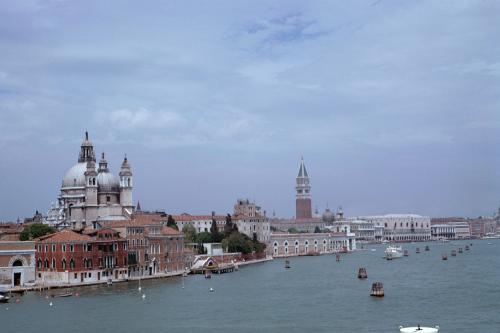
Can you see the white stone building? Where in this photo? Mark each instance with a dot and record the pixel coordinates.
(89, 195)
(402, 227)
(251, 221)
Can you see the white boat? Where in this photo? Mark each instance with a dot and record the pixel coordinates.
(418, 329)
(393, 252)
(4, 297)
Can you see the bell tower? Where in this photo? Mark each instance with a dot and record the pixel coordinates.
(126, 188)
(303, 206)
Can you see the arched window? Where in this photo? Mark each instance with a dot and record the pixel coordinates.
(53, 263)
(128, 182)
(46, 263)
(72, 264)
(17, 263)
(63, 264)
(40, 263)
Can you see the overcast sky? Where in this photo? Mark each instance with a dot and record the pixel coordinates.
(395, 105)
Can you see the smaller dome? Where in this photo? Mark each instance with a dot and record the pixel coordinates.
(107, 182)
(328, 216)
(75, 177)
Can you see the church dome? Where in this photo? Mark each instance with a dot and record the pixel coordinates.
(107, 182)
(75, 177)
(328, 216)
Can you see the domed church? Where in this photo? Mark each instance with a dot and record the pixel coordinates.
(90, 196)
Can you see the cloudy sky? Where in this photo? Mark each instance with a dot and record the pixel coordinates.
(395, 106)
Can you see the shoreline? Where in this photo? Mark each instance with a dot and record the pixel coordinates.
(38, 288)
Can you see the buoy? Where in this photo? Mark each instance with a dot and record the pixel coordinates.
(377, 289)
(139, 288)
(50, 304)
(143, 296)
(211, 289)
(362, 273)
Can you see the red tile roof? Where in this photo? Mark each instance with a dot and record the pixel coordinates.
(169, 231)
(65, 235)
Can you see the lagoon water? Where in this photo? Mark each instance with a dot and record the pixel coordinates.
(317, 294)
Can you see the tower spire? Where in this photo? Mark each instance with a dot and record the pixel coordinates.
(303, 193)
(86, 150)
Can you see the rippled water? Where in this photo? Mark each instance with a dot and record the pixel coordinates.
(317, 294)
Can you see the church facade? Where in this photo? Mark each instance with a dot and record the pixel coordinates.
(91, 194)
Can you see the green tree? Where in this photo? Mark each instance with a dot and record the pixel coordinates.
(317, 230)
(293, 231)
(237, 242)
(204, 237)
(228, 227)
(214, 230)
(171, 222)
(189, 232)
(35, 230)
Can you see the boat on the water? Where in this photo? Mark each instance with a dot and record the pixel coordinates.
(4, 297)
(453, 253)
(418, 329)
(418, 250)
(444, 256)
(393, 252)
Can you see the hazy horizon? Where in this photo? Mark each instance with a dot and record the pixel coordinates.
(394, 106)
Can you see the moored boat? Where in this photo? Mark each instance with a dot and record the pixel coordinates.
(453, 253)
(4, 297)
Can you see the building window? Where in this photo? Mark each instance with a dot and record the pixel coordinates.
(108, 198)
(53, 263)
(72, 265)
(63, 247)
(63, 264)
(71, 248)
(39, 263)
(46, 263)
(46, 248)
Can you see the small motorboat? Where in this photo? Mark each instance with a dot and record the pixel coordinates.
(460, 250)
(418, 250)
(467, 247)
(444, 256)
(453, 253)
(405, 253)
(427, 248)
(418, 329)
(287, 263)
(4, 297)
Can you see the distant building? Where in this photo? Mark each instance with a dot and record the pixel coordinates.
(17, 264)
(251, 221)
(364, 231)
(67, 257)
(287, 244)
(201, 223)
(401, 227)
(153, 248)
(89, 195)
(451, 230)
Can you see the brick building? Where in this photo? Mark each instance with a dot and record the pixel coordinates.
(68, 257)
(153, 247)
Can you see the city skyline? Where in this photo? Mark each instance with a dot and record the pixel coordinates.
(223, 106)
